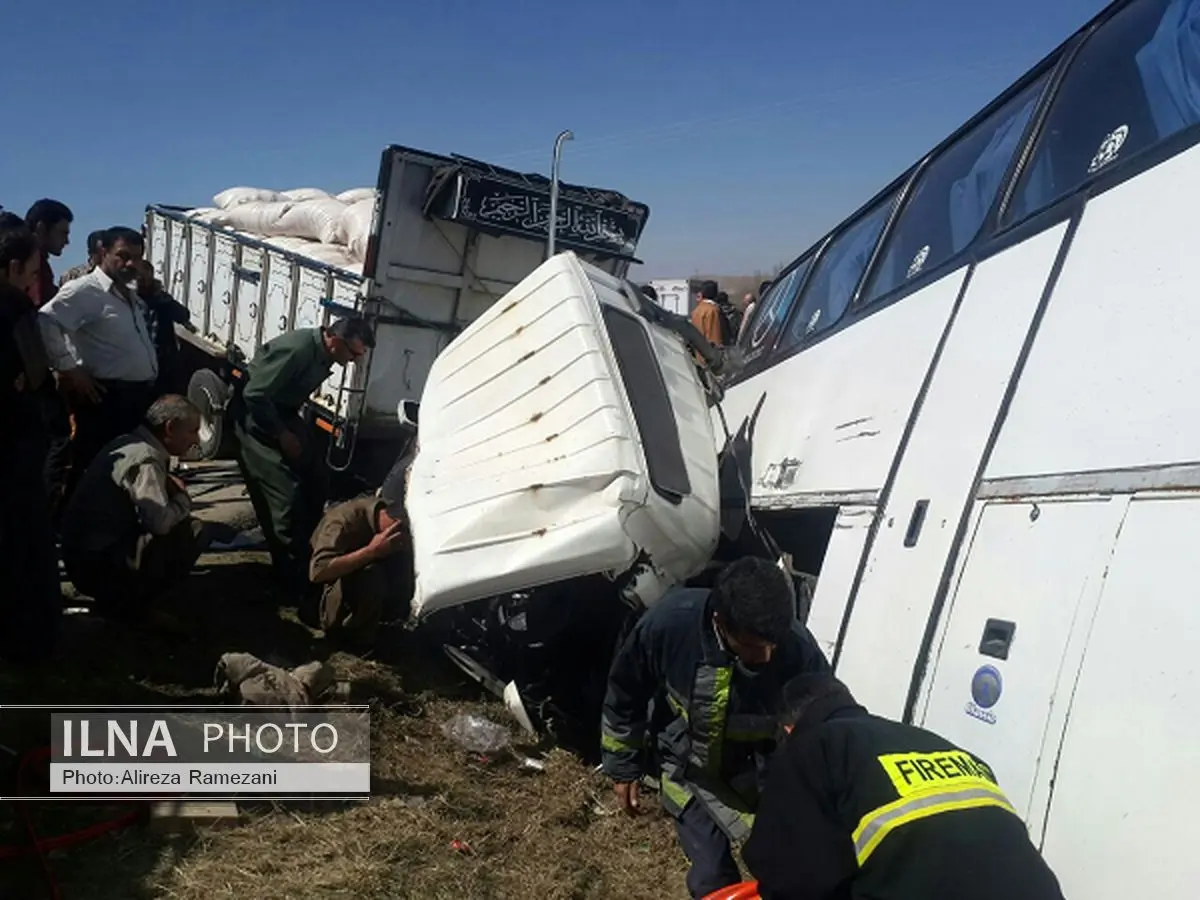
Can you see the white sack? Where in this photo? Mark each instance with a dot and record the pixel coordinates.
(204, 213)
(255, 217)
(300, 194)
(317, 220)
(330, 254)
(355, 227)
(293, 244)
(354, 195)
(236, 196)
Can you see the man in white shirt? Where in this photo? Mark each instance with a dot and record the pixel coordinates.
(128, 533)
(749, 304)
(96, 335)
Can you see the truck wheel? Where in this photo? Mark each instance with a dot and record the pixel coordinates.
(210, 394)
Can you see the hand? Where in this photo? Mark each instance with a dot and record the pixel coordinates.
(387, 542)
(289, 445)
(79, 384)
(627, 796)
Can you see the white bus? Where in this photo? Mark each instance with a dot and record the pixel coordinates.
(967, 408)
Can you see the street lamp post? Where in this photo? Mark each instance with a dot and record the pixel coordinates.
(552, 225)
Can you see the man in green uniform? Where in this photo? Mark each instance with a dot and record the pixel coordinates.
(280, 467)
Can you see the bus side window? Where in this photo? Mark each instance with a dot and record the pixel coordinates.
(773, 308)
(956, 191)
(837, 275)
(1133, 84)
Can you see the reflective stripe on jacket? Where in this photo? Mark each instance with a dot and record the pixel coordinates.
(674, 689)
(861, 806)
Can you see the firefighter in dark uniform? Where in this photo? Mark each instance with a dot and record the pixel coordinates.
(859, 806)
(280, 467)
(700, 681)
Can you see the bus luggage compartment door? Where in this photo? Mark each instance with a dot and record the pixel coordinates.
(1032, 571)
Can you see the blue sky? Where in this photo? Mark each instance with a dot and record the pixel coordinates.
(748, 128)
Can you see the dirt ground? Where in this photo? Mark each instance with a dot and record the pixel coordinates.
(441, 823)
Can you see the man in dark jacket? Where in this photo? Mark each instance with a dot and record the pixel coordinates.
(713, 663)
(279, 465)
(859, 806)
(163, 313)
(30, 600)
(50, 223)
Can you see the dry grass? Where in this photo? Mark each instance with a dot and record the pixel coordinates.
(551, 834)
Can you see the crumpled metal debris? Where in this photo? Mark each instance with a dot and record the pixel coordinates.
(257, 683)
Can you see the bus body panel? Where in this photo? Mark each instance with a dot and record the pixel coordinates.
(833, 415)
(1118, 341)
(840, 565)
(1015, 626)
(937, 471)
(1126, 779)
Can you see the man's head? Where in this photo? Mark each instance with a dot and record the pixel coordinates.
(9, 221)
(50, 221)
(709, 291)
(121, 251)
(747, 300)
(392, 494)
(19, 258)
(175, 421)
(763, 288)
(95, 248)
(348, 339)
(754, 608)
(803, 691)
(147, 282)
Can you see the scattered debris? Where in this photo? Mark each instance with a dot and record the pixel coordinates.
(477, 734)
(258, 683)
(183, 816)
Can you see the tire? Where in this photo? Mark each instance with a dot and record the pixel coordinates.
(211, 395)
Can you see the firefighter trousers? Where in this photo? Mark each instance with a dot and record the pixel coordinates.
(707, 849)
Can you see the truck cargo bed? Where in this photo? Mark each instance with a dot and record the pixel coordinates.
(450, 236)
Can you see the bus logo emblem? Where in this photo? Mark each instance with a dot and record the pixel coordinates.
(1109, 149)
(918, 262)
(986, 686)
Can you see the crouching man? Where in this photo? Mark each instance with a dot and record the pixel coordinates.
(127, 532)
(860, 806)
(712, 664)
(360, 561)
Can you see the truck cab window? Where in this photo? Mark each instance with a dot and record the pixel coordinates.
(1133, 84)
(953, 196)
(838, 273)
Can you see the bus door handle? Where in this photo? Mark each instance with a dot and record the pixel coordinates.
(915, 523)
(997, 638)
